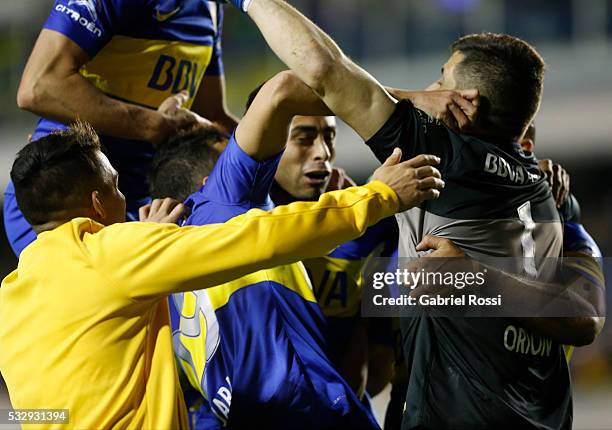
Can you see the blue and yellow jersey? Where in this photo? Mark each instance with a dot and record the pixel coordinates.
(142, 51)
(254, 347)
(337, 277)
(338, 281)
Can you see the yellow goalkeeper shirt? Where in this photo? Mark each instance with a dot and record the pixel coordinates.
(85, 326)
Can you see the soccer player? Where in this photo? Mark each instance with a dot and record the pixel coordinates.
(254, 347)
(578, 246)
(498, 204)
(112, 63)
(305, 171)
(85, 323)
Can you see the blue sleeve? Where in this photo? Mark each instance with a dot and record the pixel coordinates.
(384, 233)
(570, 211)
(236, 184)
(215, 67)
(577, 239)
(391, 238)
(88, 23)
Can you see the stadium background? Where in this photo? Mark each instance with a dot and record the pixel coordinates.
(403, 43)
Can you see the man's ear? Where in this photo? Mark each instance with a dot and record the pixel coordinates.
(98, 206)
(527, 144)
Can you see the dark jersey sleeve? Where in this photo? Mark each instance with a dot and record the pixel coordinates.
(391, 239)
(414, 132)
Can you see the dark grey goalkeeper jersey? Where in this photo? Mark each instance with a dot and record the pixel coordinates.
(479, 373)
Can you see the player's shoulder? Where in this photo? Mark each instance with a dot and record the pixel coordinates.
(233, 167)
(96, 10)
(235, 151)
(408, 117)
(238, 182)
(191, 21)
(401, 119)
(415, 132)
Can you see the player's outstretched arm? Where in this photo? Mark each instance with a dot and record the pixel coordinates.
(580, 303)
(262, 133)
(349, 91)
(573, 302)
(148, 260)
(52, 87)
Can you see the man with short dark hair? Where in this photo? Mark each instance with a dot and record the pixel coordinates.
(255, 348)
(88, 298)
(180, 164)
(509, 74)
(582, 277)
(54, 178)
(496, 203)
(360, 349)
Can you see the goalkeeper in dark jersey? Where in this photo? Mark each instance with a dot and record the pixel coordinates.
(496, 203)
(584, 261)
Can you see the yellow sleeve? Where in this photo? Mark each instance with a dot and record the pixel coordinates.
(150, 260)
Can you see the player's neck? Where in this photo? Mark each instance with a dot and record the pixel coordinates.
(48, 226)
(61, 217)
(280, 196)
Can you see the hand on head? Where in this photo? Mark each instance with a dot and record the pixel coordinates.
(455, 108)
(163, 211)
(176, 118)
(558, 179)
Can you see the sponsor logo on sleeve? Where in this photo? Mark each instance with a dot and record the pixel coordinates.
(89, 5)
(83, 12)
